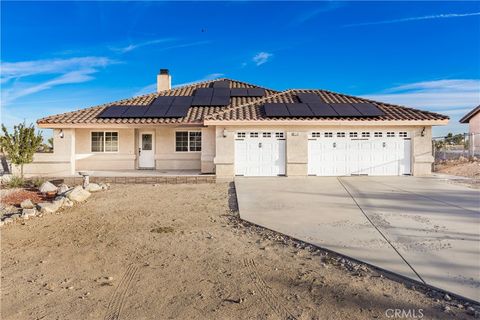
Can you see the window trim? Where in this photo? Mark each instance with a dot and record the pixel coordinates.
(188, 134)
(104, 140)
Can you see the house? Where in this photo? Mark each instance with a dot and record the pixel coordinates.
(228, 127)
(473, 120)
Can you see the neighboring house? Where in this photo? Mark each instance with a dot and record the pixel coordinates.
(229, 128)
(473, 120)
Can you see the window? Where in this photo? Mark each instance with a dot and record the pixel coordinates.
(240, 134)
(402, 134)
(104, 141)
(315, 134)
(340, 134)
(390, 134)
(328, 135)
(353, 134)
(377, 135)
(279, 135)
(188, 141)
(365, 134)
(253, 134)
(267, 134)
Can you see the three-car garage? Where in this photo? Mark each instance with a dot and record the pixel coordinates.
(330, 153)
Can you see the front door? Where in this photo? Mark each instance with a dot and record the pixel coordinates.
(146, 152)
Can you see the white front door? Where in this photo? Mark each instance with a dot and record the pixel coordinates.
(146, 150)
(260, 153)
(376, 153)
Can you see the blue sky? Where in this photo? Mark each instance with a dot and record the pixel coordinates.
(58, 57)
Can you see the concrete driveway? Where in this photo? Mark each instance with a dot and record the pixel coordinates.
(422, 228)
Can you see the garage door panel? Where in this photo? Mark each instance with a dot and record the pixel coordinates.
(379, 155)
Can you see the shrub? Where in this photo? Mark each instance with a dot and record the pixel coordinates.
(15, 182)
(37, 182)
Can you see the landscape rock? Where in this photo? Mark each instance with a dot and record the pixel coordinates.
(47, 187)
(27, 204)
(27, 213)
(49, 207)
(104, 186)
(67, 203)
(447, 297)
(63, 188)
(78, 194)
(93, 187)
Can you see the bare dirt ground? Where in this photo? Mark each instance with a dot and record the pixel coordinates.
(177, 252)
(463, 168)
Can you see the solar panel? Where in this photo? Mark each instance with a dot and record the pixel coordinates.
(322, 110)
(201, 100)
(220, 100)
(135, 112)
(276, 110)
(368, 109)
(221, 84)
(113, 112)
(345, 110)
(165, 100)
(177, 111)
(256, 92)
(204, 92)
(238, 92)
(184, 100)
(309, 98)
(299, 110)
(156, 111)
(221, 92)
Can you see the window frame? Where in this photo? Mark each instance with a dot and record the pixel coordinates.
(104, 141)
(188, 141)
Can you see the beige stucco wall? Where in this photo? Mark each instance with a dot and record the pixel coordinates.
(208, 150)
(86, 160)
(474, 130)
(166, 158)
(297, 146)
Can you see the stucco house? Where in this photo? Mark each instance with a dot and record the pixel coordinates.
(473, 120)
(228, 127)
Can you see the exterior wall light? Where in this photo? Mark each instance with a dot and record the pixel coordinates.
(423, 132)
(61, 134)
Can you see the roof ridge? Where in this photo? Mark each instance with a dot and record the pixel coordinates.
(208, 117)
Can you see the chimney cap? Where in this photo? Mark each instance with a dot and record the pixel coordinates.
(164, 71)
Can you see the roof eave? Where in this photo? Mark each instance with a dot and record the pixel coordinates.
(336, 122)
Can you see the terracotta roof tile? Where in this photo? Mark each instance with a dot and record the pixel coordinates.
(195, 115)
(254, 110)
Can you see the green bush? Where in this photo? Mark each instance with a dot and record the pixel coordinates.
(37, 182)
(15, 182)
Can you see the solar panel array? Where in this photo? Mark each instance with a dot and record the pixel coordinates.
(312, 105)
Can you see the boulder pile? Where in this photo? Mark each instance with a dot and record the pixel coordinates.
(63, 197)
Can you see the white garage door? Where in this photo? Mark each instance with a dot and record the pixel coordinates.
(260, 153)
(359, 153)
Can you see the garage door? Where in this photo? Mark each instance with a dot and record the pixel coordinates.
(260, 153)
(359, 153)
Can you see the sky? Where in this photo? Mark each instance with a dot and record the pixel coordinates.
(63, 56)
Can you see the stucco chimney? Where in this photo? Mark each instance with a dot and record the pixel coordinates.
(164, 81)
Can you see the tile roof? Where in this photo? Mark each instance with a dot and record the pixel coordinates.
(254, 111)
(195, 114)
(466, 118)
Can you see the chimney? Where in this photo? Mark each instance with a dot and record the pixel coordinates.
(164, 81)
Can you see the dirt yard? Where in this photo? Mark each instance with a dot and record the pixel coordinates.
(462, 168)
(177, 252)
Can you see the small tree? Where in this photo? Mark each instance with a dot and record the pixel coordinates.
(21, 144)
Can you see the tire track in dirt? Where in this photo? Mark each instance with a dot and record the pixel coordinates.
(270, 298)
(117, 301)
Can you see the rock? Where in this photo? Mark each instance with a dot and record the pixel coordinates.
(471, 311)
(447, 297)
(27, 213)
(93, 187)
(7, 220)
(15, 216)
(446, 308)
(62, 188)
(27, 204)
(67, 203)
(78, 194)
(104, 186)
(49, 207)
(47, 187)
(59, 201)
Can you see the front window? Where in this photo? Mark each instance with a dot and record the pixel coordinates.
(188, 141)
(104, 141)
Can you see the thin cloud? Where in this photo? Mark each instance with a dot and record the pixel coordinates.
(67, 71)
(445, 96)
(262, 57)
(429, 17)
(311, 14)
(135, 46)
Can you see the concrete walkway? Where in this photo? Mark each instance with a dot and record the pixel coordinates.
(422, 228)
